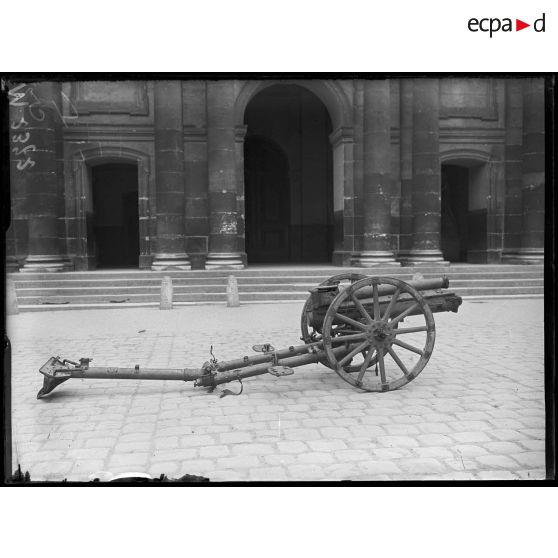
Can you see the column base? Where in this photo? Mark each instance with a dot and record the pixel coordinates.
(525, 257)
(227, 260)
(12, 265)
(424, 257)
(41, 264)
(375, 258)
(164, 262)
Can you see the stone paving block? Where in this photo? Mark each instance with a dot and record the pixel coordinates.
(196, 467)
(271, 474)
(436, 452)
(331, 432)
(506, 434)
(197, 440)
(391, 453)
(279, 459)
(497, 475)
(344, 456)
(434, 440)
(532, 445)
(372, 468)
(367, 430)
(326, 445)
(135, 437)
(316, 457)
(397, 441)
(470, 450)
(470, 437)
(341, 472)
(423, 465)
(532, 474)
(238, 462)
(470, 426)
(138, 445)
(252, 449)
(306, 472)
(177, 454)
(497, 461)
(302, 434)
(128, 460)
(532, 459)
(292, 446)
(434, 428)
(234, 437)
(214, 451)
(460, 463)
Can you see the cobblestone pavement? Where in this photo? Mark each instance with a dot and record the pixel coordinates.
(475, 412)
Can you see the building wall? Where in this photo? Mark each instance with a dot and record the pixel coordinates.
(493, 127)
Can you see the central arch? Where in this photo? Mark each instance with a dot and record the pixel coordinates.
(288, 177)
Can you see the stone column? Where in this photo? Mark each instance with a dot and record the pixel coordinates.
(169, 177)
(377, 175)
(223, 214)
(427, 221)
(36, 151)
(532, 241)
(513, 218)
(406, 154)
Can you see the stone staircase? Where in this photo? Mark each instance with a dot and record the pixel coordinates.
(256, 284)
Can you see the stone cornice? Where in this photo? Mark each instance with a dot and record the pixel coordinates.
(343, 134)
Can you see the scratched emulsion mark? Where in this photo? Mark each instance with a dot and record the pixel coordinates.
(227, 223)
(23, 150)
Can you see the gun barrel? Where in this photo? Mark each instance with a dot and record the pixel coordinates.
(417, 284)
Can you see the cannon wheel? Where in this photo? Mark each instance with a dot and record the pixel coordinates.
(309, 334)
(376, 335)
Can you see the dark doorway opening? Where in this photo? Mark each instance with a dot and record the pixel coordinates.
(455, 209)
(288, 177)
(115, 220)
(267, 195)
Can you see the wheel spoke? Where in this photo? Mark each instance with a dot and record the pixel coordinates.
(404, 313)
(361, 308)
(382, 366)
(350, 321)
(345, 338)
(391, 303)
(408, 347)
(365, 365)
(376, 301)
(409, 329)
(347, 358)
(398, 361)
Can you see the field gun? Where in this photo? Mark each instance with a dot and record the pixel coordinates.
(377, 333)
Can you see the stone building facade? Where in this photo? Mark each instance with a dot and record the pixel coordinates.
(197, 174)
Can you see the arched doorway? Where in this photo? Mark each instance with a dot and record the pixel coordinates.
(288, 177)
(465, 192)
(113, 221)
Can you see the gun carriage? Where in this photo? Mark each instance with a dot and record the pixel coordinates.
(376, 333)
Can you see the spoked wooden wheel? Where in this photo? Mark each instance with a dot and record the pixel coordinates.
(310, 334)
(371, 311)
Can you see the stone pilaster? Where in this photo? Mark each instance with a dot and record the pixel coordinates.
(377, 176)
(35, 152)
(427, 222)
(169, 177)
(513, 151)
(533, 180)
(223, 210)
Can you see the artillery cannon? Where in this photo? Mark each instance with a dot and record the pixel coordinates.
(351, 323)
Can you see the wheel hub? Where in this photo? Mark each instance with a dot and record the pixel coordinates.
(380, 333)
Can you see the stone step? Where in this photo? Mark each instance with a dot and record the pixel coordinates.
(280, 271)
(244, 296)
(54, 282)
(153, 290)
